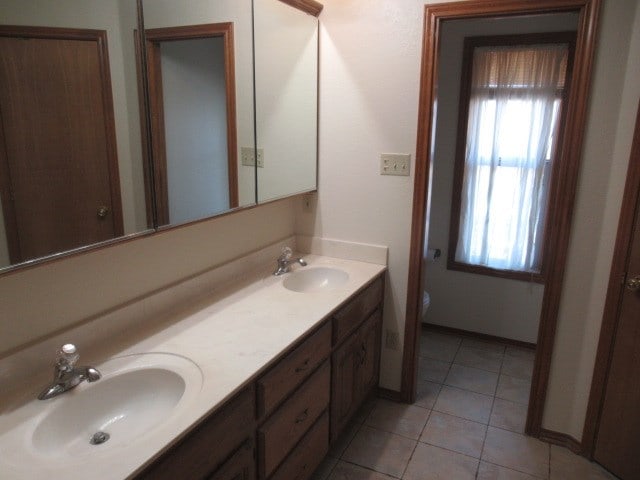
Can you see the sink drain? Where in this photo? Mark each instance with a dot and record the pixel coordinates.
(99, 438)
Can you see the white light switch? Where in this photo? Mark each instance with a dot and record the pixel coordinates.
(395, 164)
(248, 157)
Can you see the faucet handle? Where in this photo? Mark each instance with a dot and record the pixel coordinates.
(67, 355)
(286, 253)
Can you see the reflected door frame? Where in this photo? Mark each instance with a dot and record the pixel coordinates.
(153, 38)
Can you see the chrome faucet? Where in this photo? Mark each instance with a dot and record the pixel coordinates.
(66, 375)
(285, 261)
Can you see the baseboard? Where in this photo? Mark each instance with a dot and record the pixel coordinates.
(479, 336)
(389, 394)
(562, 440)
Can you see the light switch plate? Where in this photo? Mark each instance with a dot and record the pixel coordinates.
(260, 158)
(247, 155)
(395, 164)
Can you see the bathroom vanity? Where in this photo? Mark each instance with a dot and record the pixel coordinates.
(251, 379)
(280, 425)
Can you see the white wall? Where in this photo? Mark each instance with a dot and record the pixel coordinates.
(286, 109)
(118, 18)
(195, 124)
(52, 297)
(612, 115)
(170, 13)
(478, 303)
(370, 59)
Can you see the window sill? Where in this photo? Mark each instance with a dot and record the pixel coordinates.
(530, 277)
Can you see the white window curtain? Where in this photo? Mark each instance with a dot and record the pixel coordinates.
(513, 110)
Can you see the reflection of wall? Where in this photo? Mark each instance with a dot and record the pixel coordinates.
(169, 13)
(118, 18)
(195, 123)
(286, 106)
(478, 303)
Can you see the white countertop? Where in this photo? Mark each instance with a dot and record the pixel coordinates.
(231, 335)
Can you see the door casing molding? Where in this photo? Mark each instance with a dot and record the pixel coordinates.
(563, 188)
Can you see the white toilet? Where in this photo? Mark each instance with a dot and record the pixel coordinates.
(432, 255)
(426, 300)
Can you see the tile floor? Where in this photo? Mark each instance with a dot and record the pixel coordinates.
(467, 423)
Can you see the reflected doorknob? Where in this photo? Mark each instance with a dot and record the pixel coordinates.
(103, 211)
(633, 284)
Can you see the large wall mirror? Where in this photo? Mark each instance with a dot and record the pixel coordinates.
(231, 91)
(286, 47)
(71, 169)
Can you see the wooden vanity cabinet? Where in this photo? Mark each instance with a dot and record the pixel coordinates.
(356, 357)
(293, 401)
(279, 427)
(222, 447)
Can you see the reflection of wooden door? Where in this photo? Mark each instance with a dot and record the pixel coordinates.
(58, 166)
(618, 439)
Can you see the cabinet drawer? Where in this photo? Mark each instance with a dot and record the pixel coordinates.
(241, 466)
(306, 457)
(349, 317)
(288, 424)
(281, 380)
(204, 449)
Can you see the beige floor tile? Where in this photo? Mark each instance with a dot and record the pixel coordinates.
(400, 418)
(432, 370)
(380, 451)
(434, 463)
(345, 438)
(348, 471)
(438, 346)
(427, 394)
(483, 344)
(565, 465)
(488, 471)
(324, 469)
(474, 379)
(464, 404)
(508, 415)
(454, 433)
(514, 389)
(516, 366)
(479, 358)
(515, 451)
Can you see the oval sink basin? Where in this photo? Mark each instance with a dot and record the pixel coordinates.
(135, 395)
(316, 279)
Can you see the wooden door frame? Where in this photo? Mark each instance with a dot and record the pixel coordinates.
(55, 33)
(563, 185)
(152, 38)
(615, 290)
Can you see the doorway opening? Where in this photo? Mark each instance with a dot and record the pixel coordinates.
(191, 75)
(561, 189)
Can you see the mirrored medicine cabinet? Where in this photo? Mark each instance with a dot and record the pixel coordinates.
(115, 124)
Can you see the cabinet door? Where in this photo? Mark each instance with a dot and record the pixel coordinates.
(343, 384)
(368, 368)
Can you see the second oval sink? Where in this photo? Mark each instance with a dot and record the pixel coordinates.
(315, 279)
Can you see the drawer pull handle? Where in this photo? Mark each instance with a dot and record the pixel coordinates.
(303, 367)
(364, 355)
(303, 416)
